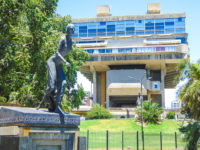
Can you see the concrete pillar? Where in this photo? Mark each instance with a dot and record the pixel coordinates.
(162, 87)
(94, 87)
(103, 88)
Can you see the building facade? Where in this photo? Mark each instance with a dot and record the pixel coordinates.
(126, 51)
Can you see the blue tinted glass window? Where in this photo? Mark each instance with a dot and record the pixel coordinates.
(159, 27)
(159, 32)
(111, 34)
(180, 30)
(82, 27)
(110, 29)
(169, 31)
(130, 25)
(82, 35)
(149, 28)
(108, 50)
(120, 33)
(180, 25)
(130, 22)
(124, 50)
(120, 29)
(92, 34)
(140, 28)
(130, 29)
(139, 22)
(102, 50)
(159, 20)
(149, 32)
(139, 32)
(169, 27)
(101, 30)
(182, 40)
(102, 34)
(82, 24)
(110, 26)
(120, 22)
(91, 51)
(74, 35)
(102, 27)
(82, 31)
(91, 30)
(130, 33)
(169, 23)
(102, 23)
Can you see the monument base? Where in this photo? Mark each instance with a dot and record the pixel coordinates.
(28, 129)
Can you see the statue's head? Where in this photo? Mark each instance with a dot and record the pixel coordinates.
(70, 29)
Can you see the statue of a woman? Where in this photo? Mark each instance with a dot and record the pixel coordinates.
(56, 77)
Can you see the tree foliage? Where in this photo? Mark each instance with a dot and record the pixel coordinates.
(29, 34)
(151, 112)
(190, 98)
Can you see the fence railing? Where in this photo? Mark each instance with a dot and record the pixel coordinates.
(132, 141)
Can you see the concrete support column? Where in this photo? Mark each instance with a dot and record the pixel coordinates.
(162, 87)
(94, 87)
(103, 88)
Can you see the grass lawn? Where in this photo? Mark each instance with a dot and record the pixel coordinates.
(130, 125)
(97, 134)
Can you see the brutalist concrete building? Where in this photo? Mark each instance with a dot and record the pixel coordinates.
(125, 50)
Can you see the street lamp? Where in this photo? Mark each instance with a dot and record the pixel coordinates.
(140, 98)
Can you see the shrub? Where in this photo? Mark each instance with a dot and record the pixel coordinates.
(3, 100)
(170, 115)
(151, 112)
(98, 112)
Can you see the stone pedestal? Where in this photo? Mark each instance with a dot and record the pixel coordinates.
(31, 129)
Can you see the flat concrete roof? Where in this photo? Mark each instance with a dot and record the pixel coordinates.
(131, 17)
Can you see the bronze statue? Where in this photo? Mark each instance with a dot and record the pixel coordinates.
(56, 78)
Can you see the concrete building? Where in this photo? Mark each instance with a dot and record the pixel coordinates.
(127, 49)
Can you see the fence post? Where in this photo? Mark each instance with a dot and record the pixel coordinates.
(143, 140)
(122, 140)
(137, 140)
(176, 140)
(107, 140)
(161, 140)
(87, 139)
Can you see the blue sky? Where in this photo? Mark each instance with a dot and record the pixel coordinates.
(87, 8)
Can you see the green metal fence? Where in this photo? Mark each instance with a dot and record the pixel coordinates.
(132, 141)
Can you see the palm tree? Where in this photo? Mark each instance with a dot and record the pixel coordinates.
(190, 97)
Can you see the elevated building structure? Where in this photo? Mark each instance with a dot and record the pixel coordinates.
(125, 49)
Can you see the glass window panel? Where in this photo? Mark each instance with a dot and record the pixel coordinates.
(149, 32)
(120, 26)
(169, 27)
(149, 28)
(101, 30)
(111, 34)
(92, 24)
(159, 32)
(130, 33)
(139, 21)
(182, 40)
(82, 35)
(91, 30)
(101, 27)
(169, 31)
(130, 29)
(159, 24)
(110, 29)
(180, 31)
(92, 27)
(110, 26)
(124, 50)
(91, 51)
(120, 33)
(82, 27)
(120, 29)
(82, 31)
(159, 27)
(102, 23)
(139, 32)
(120, 22)
(83, 24)
(159, 20)
(140, 28)
(169, 23)
(130, 25)
(101, 34)
(76, 30)
(108, 50)
(101, 50)
(92, 35)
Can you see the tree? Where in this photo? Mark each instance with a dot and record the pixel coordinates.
(151, 112)
(29, 34)
(190, 98)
